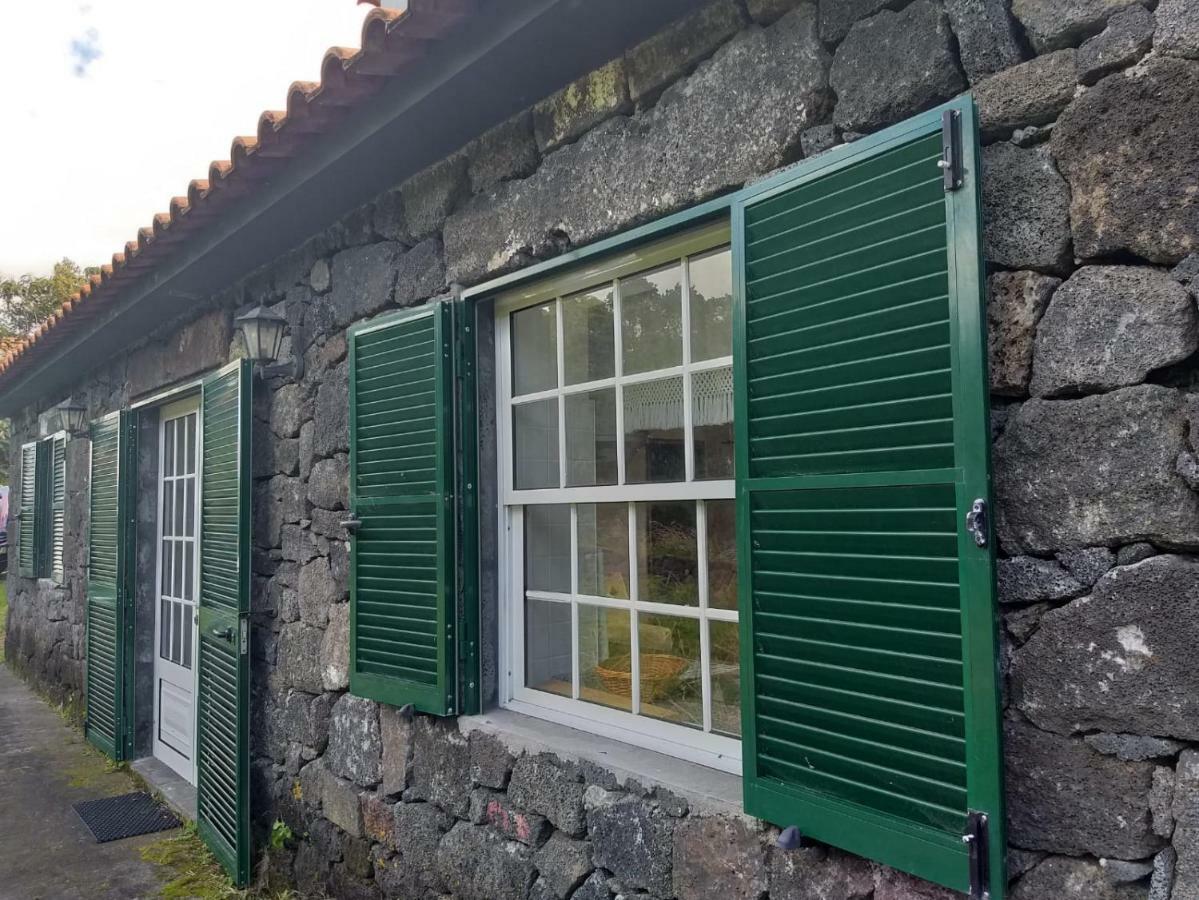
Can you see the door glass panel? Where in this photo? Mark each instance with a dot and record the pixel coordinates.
(591, 438)
(168, 509)
(164, 629)
(188, 626)
(712, 423)
(671, 674)
(604, 550)
(180, 448)
(178, 589)
(165, 565)
(667, 553)
(189, 518)
(191, 444)
(654, 435)
(605, 661)
(589, 351)
(711, 305)
(725, 642)
(651, 320)
(189, 570)
(535, 445)
(547, 548)
(535, 349)
(548, 646)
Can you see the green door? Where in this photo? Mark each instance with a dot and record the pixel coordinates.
(108, 618)
(871, 715)
(222, 751)
(402, 618)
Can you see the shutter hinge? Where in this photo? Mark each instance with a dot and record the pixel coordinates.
(977, 844)
(951, 149)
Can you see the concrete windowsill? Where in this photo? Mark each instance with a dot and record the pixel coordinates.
(707, 790)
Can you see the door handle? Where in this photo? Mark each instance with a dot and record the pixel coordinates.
(352, 524)
(977, 523)
(223, 633)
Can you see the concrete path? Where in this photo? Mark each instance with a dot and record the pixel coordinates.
(46, 853)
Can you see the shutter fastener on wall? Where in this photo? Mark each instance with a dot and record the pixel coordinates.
(950, 162)
(976, 839)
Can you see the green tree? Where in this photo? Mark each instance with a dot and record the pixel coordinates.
(28, 300)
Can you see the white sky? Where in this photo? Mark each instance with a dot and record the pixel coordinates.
(86, 159)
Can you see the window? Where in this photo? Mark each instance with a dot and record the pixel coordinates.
(616, 401)
(42, 511)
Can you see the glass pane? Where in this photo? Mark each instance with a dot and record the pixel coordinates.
(189, 570)
(653, 431)
(180, 447)
(191, 444)
(165, 565)
(535, 445)
(189, 517)
(164, 629)
(605, 657)
(535, 349)
(711, 305)
(722, 553)
(180, 505)
(168, 508)
(725, 643)
(671, 674)
(187, 636)
(548, 646)
(547, 548)
(604, 550)
(177, 633)
(589, 352)
(667, 553)
(168, 448)
(651, 319)
(712, 421)
(178, 591)
(591, 438)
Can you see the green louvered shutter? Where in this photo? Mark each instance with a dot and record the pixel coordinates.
(870, 696)
(27, 515)
(58, 501)
(402, 620)
(107, 598)
(222, 757)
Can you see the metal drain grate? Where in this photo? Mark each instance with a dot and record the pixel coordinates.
(128, 815)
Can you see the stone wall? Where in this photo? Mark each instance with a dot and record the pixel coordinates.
(1092, 215)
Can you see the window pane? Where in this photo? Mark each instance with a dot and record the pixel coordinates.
(711, 305)
(722, 553)
(725, 642)
(588, 334)
(604, 550)
(168, 507)
(188, 612)
(165, 564)
(178, 590)
(189, 517)
(164, 629)
(191, 444)
(547, 548)
(548, 646)
(180, 447)
(671, 675)
(667, 553)
(591, 438)
(535, 445)
(651, 319)
(189, 570)
(653, 431)
(535, 349)
(605, 657)
(180, 505)
(712, 421)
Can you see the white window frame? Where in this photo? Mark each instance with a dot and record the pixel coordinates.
(694, 745)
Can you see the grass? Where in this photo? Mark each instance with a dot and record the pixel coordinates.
(194, 873)
(3, 613)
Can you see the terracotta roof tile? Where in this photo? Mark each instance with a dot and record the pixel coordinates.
(391, 39)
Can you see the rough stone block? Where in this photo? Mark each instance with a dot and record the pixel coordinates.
(1109, 326)
(817, 139)
(419, 828)
(420, 273)
(563, 863)
(329, 482)
(1127, 37)
(837, 17)
(317, 592)
(301, 718)
(893, 65)
(335, 649)
(396, 734)
(299, 657)
(1087, 565)
(1178, 28)
(1161, 801)
(1130, 148)
(488, 807)
(634, 840)
(490, 761)
(362, 282)
(1161, 884)
(1027, 579)
(1015, 303)
(1133, 747)
(477, 864)
(986, 39)
(759, 92)
(581, 105)
(1066, 798)
(542, 785)
(719, 857)
(319, 278)
(355, 746)
(1059, 876)
(378, 819)
(1072, 473)
(1032, 93)
(765, 12)
(1131, 554)
(196, 347)
(654, 64)
(1053, 24)
(890, 884)
(332, 414)
(441, 766)
(339, 803)
(430, 196)
(507, 151)
(1121, 660)
(818, 873)
(287, 411)
(1026, 209)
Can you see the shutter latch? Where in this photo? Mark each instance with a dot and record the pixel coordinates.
(951, 149)
(978, 847)
(977, 523)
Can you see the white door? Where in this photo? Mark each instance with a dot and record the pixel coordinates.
(175, 634)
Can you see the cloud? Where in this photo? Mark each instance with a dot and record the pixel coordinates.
(85, 50)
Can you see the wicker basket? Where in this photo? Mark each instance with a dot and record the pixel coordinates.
(658, 674)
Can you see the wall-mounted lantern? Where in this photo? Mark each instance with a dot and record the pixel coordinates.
(72, 418)
(261, 332)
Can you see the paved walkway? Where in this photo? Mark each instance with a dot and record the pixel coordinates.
(46, 853)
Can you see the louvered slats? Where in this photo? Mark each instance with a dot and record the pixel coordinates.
(401, 438)
(58, 498)
(27, 529)
(222, 757)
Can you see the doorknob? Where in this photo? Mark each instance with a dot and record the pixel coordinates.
(224, 633)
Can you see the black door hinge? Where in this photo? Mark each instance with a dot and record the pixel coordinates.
(977, 844)
(951, 149)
